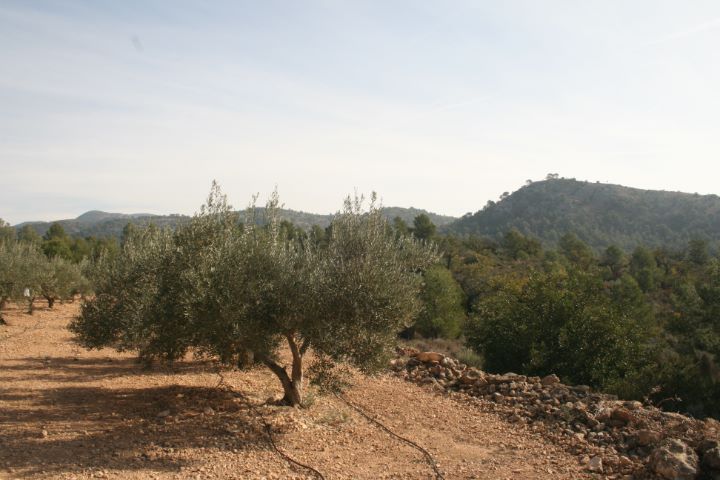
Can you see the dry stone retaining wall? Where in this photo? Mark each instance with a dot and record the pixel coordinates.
(619, 439)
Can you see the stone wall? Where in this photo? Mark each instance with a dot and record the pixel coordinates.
(620, 439)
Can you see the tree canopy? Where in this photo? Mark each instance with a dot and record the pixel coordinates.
(226, 290)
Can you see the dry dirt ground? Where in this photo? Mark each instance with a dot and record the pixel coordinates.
(70, 413)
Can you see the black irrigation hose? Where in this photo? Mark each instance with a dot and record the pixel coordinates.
(428, 456)
(268, 429)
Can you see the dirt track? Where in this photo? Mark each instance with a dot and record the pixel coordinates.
(69, 413)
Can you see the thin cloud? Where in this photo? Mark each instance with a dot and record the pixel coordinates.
(713, 24)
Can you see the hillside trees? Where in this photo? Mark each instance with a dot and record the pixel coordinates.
(401, 228)
(643, 267)
(614, 259)
(695, 331)
(28, 234)
(698, 251)
(56, 243)
(565, 322)
(518, 246)
(652, 314)
(575, 250)
(225, 291)
(600, 214)
(423, 228)
(442, 314)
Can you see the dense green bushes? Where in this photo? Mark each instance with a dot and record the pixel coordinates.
(442, 313)
(643, 325)
(569, 323)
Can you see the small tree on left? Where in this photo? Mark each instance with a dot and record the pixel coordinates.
(10, 257)
(16, 272)
(25, 269)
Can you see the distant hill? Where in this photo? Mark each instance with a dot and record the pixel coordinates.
(105, 224)
(95, 216)
(409, 214)
(600, 214)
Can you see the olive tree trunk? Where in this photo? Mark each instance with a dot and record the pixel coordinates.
(3, 302)
(292, 382)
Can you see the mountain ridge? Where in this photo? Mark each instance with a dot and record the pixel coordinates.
(601, 214)
(102, 224)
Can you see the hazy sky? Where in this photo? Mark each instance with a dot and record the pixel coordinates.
(135, 106)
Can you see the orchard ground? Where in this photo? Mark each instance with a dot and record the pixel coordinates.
(70, 413)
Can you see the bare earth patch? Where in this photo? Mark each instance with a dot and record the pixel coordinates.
(69, 413)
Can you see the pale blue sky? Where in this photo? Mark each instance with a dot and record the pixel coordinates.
(137, 105)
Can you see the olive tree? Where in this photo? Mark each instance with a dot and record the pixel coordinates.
(16, 269)
(131, 302)
(8, 271)
(10, 279)
(225, 289)
(7, 232)
(59, 279)
(24, 266)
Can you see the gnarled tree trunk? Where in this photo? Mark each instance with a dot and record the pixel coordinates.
(292, 382)
(3, 302)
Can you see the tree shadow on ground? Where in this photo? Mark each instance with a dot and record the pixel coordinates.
(76, 429)
(74, 369)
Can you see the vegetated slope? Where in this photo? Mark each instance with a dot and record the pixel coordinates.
(71, 413)
(96, 216)
(600, 214)
(409, 214)
(104, 224)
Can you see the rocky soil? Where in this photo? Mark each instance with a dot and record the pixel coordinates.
(609, 436)
(66, 413)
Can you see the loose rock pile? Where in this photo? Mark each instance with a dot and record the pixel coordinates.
(611, 437)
